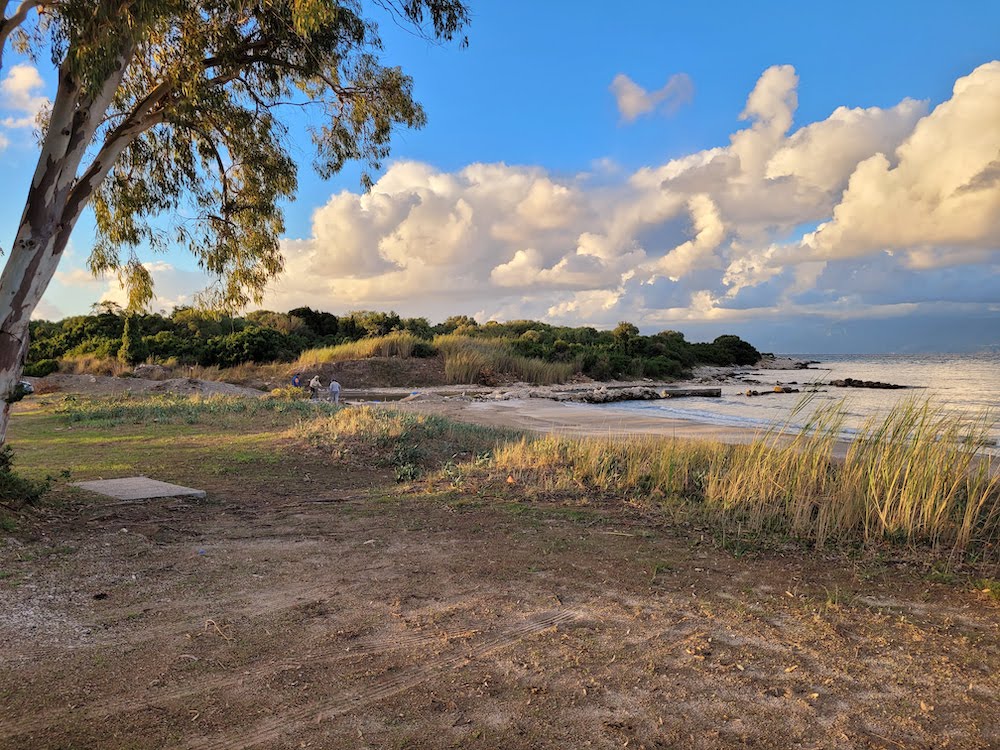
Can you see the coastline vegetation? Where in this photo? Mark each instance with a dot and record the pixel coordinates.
(914, 477)
(111, 342)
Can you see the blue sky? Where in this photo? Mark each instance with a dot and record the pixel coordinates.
(551, 182)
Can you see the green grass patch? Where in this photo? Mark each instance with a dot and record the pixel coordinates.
(177, 409)
(988, 586)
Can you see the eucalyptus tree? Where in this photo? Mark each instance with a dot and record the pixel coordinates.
(177, 110)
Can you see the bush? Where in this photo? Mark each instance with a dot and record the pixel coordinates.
(132, 350)
(252, 344)
(41, 368)
(424, 349)
(16, 490)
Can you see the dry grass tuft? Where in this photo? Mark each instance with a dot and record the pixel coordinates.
(474, 360)
(917, 476)
(399, 344)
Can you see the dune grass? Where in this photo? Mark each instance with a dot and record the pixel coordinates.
(398, 344)
(410, 444)
(475, 360)
(91, 364)
(915, 477)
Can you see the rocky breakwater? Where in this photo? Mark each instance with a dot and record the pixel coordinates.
(777, 389)
(602, 395)
(852, 383)
(770, 362)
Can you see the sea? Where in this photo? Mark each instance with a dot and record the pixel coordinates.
(966, 384)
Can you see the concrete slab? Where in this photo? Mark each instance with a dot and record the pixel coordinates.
(138, 488)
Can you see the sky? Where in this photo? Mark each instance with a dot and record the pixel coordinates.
(814, 178)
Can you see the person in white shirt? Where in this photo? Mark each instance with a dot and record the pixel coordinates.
(314, 386)
(335, 391)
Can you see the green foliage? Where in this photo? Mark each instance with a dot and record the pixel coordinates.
(41, 368)
(196, 133)
(527, 350)
(133, 350)
(252, 344)
(15, 490)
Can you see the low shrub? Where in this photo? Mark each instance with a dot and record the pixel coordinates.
(15, 490)
(41, 368)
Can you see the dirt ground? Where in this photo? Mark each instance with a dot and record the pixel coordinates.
(315, 604)
(105, 385)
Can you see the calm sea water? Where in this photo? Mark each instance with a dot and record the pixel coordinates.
(968, 383)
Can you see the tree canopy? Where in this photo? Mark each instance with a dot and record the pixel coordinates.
(192, 336)
(184, 100)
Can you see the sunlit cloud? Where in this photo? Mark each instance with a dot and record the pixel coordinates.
(760, 227)
(20, 101)
(634, 101)
(874, 212)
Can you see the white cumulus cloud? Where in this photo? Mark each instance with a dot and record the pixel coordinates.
(868, 211)
(750, 229)
(936, 197)
(19, 97)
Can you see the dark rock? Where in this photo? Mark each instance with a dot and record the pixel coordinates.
(852, 383)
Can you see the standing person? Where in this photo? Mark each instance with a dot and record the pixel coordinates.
(314, 386)
(296, 381)
(335, 391)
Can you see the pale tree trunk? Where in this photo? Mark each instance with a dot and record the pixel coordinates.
(55, 201)
(24, 280)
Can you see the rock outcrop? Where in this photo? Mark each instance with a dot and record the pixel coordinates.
(603, 395)
(852, 383)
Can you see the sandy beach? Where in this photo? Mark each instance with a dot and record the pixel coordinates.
(579, 420)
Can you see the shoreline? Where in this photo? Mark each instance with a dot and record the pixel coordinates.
(585, 421)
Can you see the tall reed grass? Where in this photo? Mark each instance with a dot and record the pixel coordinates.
(90, 364)
(915, 475)
(473, 360)
(398, 344)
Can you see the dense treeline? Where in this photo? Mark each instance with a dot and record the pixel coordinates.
(192, 336)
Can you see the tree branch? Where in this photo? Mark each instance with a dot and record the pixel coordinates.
(116, 142)
(7, 25)
(220, 163)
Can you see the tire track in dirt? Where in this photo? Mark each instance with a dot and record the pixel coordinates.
(246, 605)
(367, 646)
(273, 728)
(111, 706)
